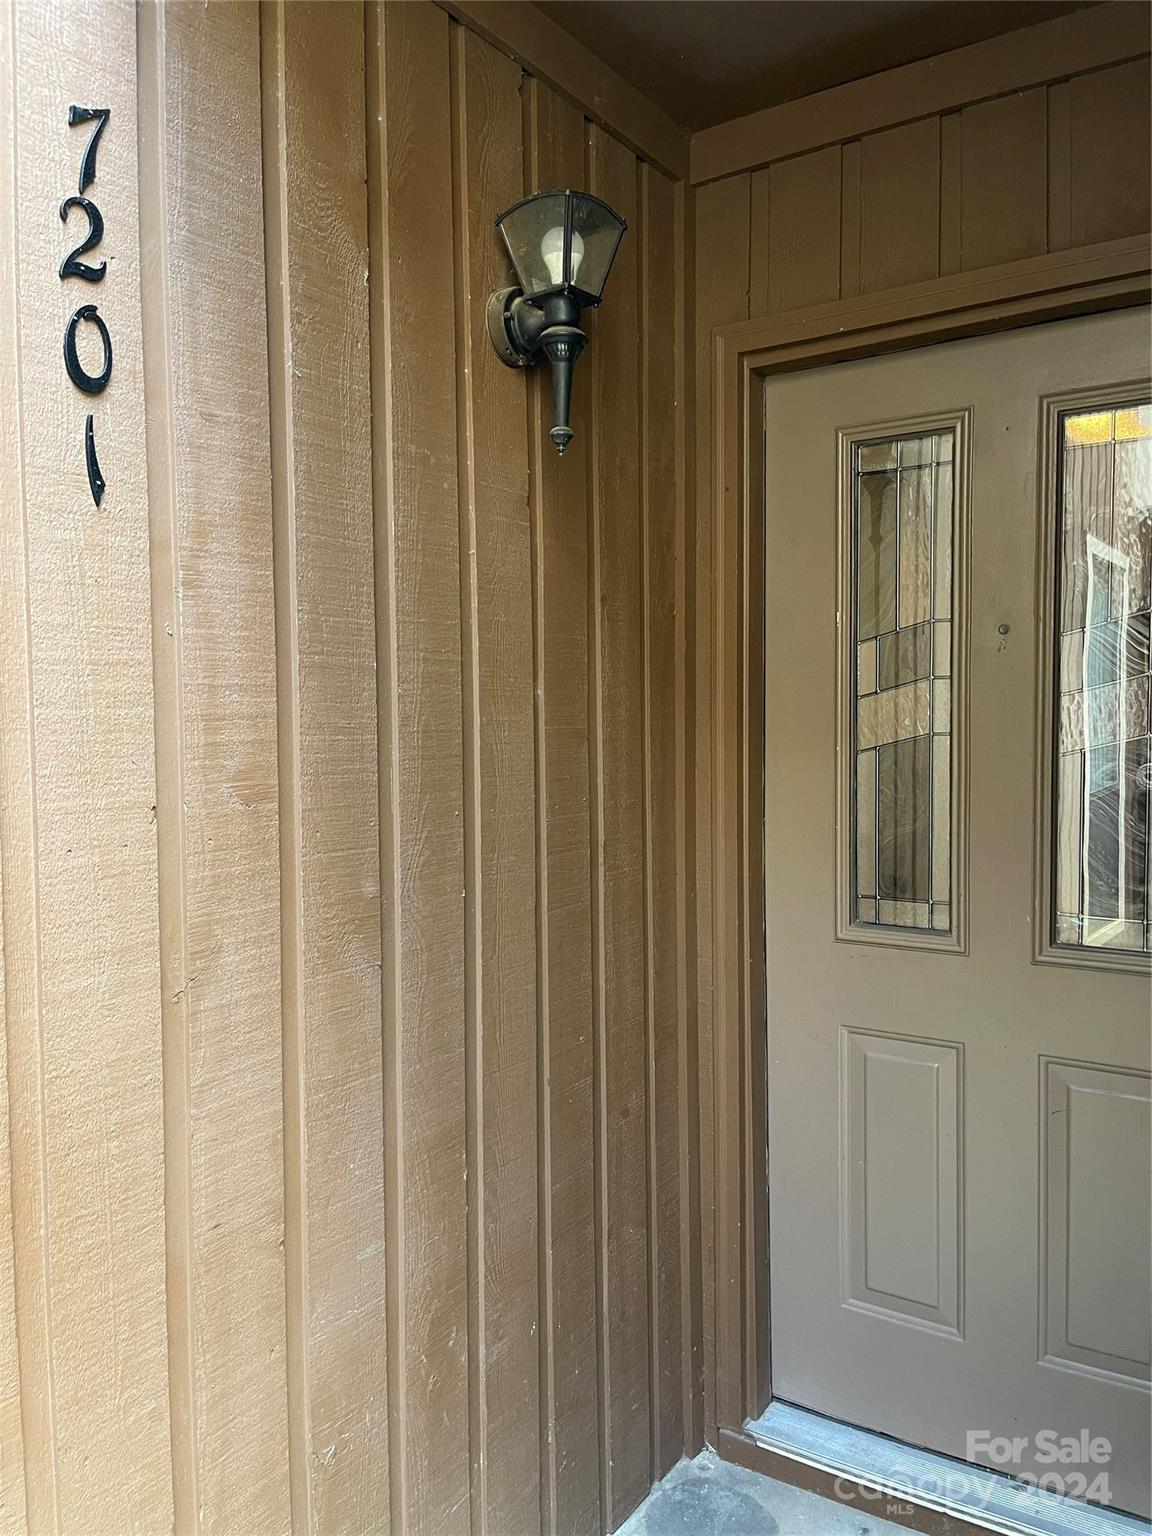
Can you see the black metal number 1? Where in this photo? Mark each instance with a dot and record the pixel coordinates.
(72, 266)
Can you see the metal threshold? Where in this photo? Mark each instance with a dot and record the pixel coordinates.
(957, 1488)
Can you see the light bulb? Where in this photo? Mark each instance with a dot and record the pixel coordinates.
(552, 250)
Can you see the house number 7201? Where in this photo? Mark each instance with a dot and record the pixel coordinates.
(72, 266)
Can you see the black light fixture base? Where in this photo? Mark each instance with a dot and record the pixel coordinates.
(562, 345)
(522, 332)
(499, 333)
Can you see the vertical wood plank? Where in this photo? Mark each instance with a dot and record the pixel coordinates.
(851, 156)
(617, 861)
(77, 841)
(217, 823)
(1059, 167)
(1110, 114)
(729, 883)
(951, 192)
(500, 831)
(315, 209)
(658, 427)
(422, 767)
(692, 1412)
(554, 157)
(1004, 205)
(900, 206)
(757, 1327)
(722, 267)
(760, 250)
(804, 231)
(13, 1509)
(13, 1505)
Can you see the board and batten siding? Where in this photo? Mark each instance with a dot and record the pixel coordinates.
(1051, 168)
(343, 777)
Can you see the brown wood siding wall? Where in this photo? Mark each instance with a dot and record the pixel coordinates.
(1053, 168)
(344, 778)
(1056, 167)
(1046, 169)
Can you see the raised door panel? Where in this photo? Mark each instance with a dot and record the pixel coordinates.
(900, 1189)
(1096, 1131)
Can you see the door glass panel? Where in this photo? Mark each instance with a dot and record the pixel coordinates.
(902, 513)
(1104, 761)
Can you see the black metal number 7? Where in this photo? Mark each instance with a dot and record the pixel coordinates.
(86, 115)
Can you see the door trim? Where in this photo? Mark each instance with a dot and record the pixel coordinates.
(1112, 275)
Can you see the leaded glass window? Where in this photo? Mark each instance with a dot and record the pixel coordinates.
(1103, 751)
(903, 513)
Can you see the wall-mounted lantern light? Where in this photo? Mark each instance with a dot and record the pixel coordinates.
(562, 245)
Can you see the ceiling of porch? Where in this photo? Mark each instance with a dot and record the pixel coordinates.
(706, 61)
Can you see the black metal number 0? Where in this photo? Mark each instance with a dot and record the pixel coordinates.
(91, 384)
(71, 266)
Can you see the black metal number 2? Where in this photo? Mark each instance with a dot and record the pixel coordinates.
(72, 266)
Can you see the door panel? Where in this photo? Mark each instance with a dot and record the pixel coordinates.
(1096, 1130)
(900, 1208)
(958, 1135)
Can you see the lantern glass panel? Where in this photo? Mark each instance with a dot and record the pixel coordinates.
(596, 232)
(534, 234)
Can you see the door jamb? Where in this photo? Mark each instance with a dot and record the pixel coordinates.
(1111, 275)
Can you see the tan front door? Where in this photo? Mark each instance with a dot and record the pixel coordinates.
(958, 1047)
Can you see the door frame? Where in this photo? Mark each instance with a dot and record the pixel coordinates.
(1111, 275)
